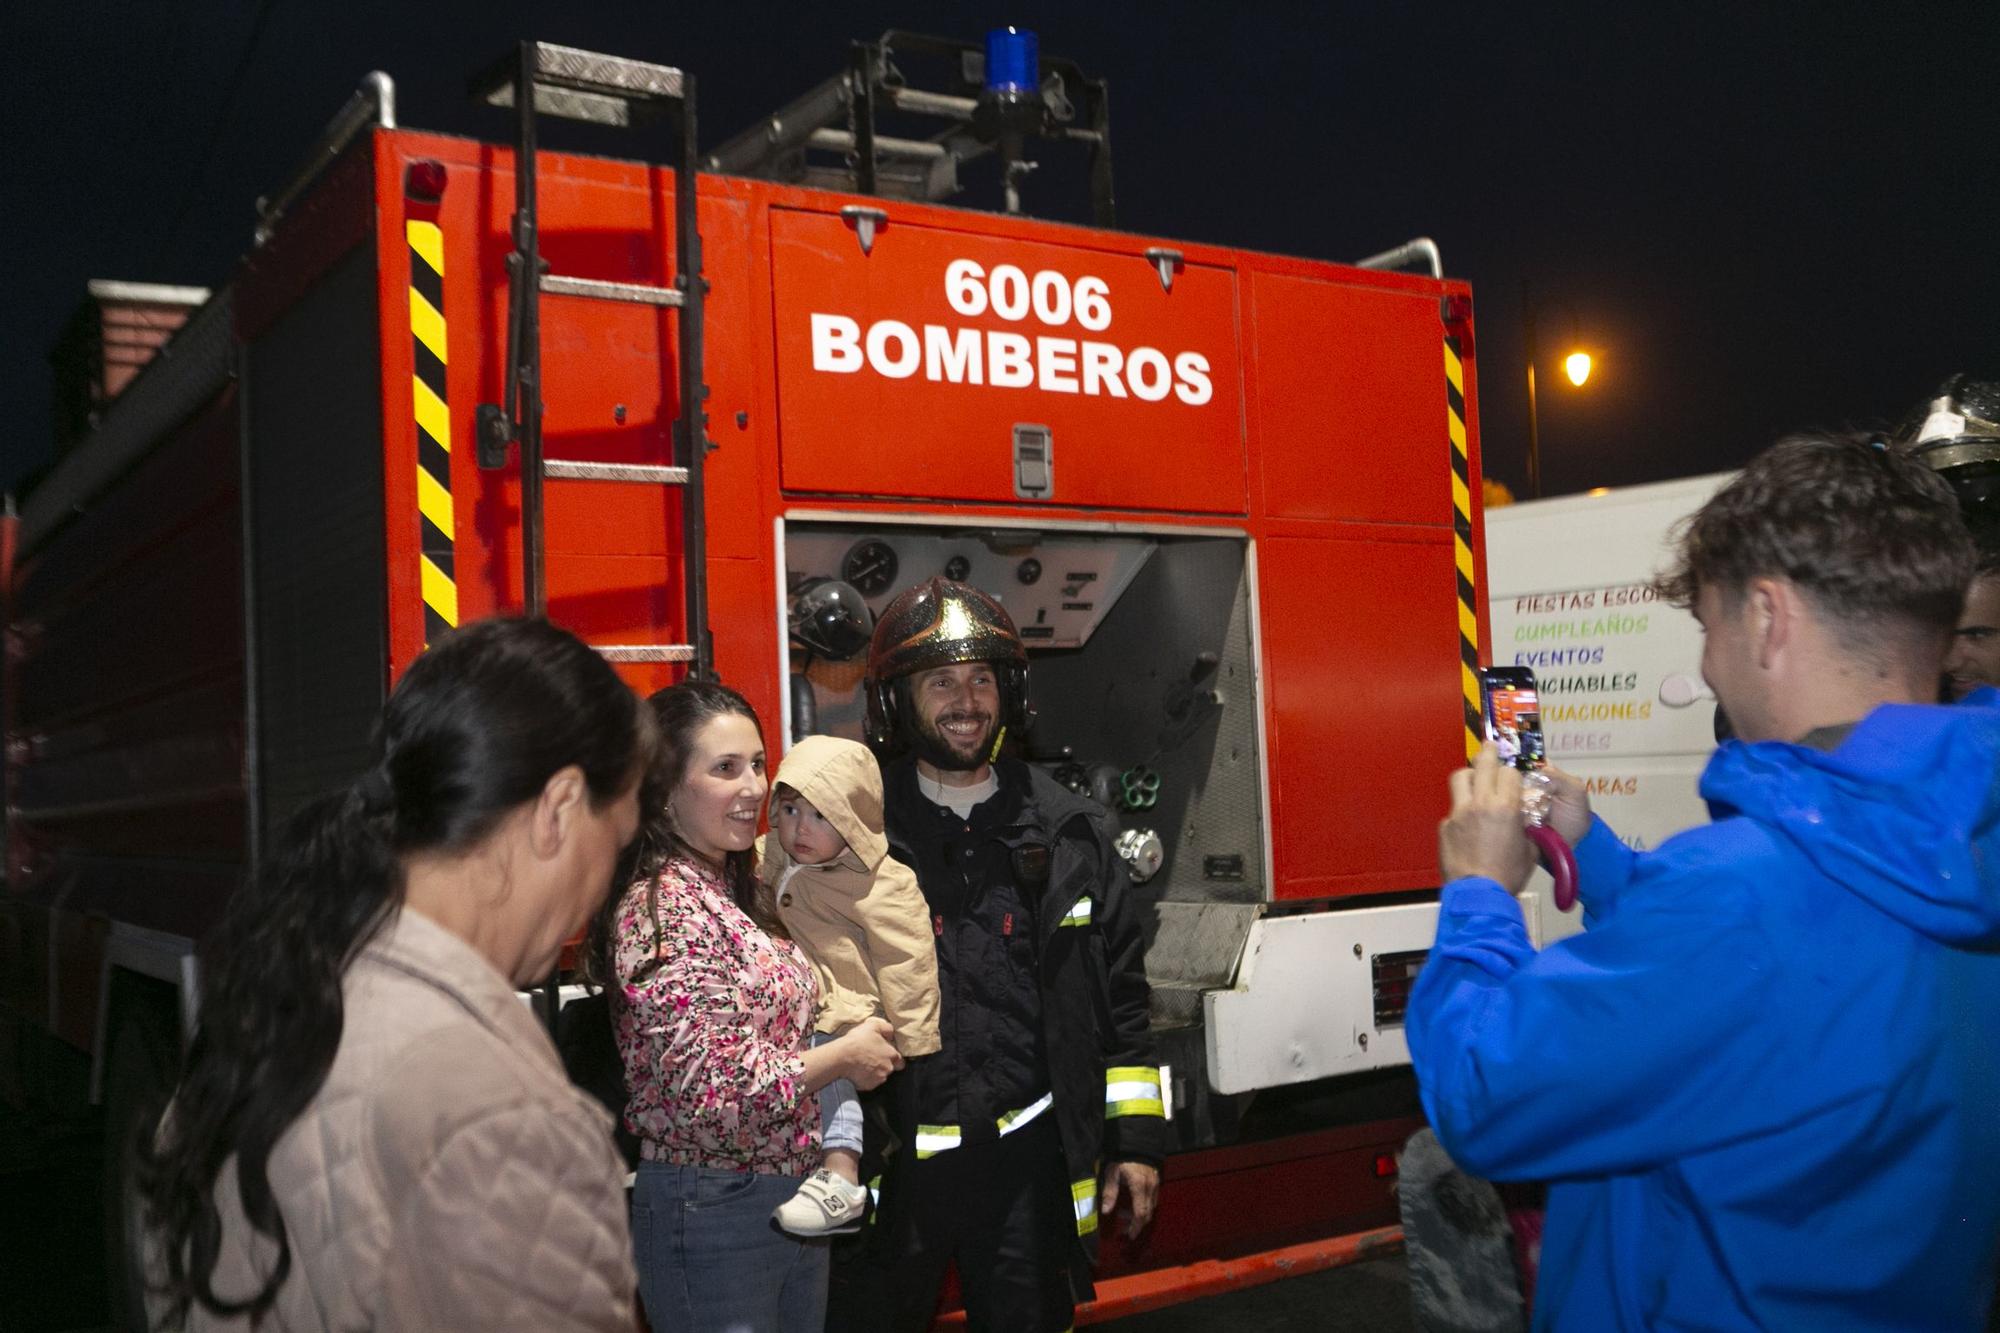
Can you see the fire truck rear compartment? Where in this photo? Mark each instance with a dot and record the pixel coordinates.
(1144, 687)
(1141, 677)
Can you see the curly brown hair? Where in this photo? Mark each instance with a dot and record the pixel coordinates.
(1872, 537)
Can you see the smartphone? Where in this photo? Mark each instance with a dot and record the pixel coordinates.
(1513, 711)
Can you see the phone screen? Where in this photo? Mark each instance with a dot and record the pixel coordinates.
(1513, 709)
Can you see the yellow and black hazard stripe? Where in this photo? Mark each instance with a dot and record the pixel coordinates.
(433, 416)
(1461, 541)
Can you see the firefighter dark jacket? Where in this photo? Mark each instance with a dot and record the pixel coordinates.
(1049, 851)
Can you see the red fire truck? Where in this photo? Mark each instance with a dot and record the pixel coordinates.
(1229, 497)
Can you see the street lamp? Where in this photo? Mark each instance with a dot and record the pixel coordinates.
(1577, 365)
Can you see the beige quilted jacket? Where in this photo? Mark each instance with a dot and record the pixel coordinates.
(447, 1176)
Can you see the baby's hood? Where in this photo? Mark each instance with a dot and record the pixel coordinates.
(843, 782)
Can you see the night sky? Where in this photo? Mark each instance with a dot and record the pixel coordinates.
(1760, 217)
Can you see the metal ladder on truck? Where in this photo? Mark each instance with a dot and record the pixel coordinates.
(545, 79)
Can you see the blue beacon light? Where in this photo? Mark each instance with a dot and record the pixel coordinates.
(1013, 61)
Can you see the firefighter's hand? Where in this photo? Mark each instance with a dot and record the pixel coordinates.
(1569, 806)
(1483, 833)
(1139, 1186)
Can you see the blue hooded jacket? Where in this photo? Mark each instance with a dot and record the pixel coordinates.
(1765, 1082)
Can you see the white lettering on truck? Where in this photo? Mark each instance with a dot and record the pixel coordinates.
(1005, 360)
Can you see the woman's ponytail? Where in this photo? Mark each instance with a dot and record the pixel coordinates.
(272, 1016)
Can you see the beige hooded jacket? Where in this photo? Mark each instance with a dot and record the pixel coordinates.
(861, 919)
(447, 1175)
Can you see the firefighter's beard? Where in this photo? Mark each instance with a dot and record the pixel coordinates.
(955, 754)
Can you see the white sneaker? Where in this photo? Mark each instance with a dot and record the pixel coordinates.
(825, 1205)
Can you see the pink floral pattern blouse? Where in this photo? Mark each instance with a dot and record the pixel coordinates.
(712, 1035)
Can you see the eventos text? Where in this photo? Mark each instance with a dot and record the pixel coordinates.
(1053, 363)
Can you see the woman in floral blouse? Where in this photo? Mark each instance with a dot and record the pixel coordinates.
(712, 1009)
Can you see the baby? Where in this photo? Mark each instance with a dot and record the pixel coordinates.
(860, 917)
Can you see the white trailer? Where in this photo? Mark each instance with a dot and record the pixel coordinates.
(1623, 703)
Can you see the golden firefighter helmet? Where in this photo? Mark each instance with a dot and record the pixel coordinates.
(940, 623)
(1957, 432)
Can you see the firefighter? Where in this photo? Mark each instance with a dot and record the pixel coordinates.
(1974, 660)
(1042, 1112)
(1957, 432)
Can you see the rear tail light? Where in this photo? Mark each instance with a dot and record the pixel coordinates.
(424, 180)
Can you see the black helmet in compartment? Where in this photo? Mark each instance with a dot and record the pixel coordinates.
(830, 620)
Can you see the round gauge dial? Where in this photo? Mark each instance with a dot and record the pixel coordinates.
(957, 568)
(1028, 571)
(870, 566)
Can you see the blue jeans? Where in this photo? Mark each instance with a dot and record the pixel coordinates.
(839, 1110)
(711, 1260)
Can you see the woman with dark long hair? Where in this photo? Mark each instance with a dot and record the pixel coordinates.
(373, 1131)
(713, 1008)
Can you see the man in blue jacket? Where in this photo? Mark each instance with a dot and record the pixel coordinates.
(1765, 1082)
